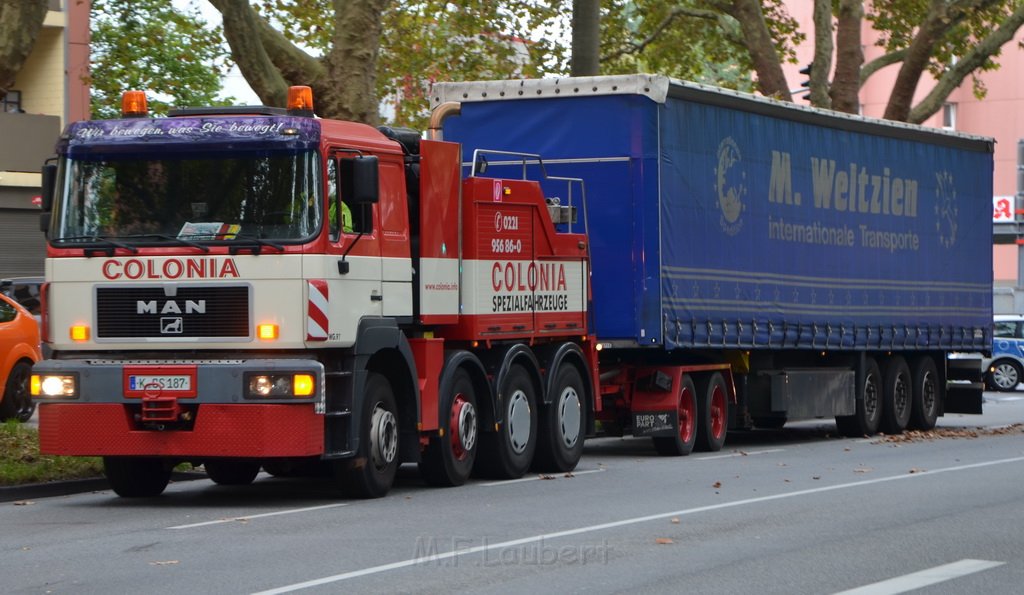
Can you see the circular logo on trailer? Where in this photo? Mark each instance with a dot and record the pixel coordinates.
(730, 183)
(946, 211)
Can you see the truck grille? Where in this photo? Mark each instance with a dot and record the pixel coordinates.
(192, 312)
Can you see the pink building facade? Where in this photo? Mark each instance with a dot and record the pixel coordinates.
(996, 116)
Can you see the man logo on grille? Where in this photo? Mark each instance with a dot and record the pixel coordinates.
(172, 325)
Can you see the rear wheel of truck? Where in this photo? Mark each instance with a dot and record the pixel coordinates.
(686, 435)
(449, 457)
(868, 416)
(371, 472)
(507, 453)
(231, 473)
(132, 477)
(561, 435)
(924, 410)
(712, 412)
(896, 396)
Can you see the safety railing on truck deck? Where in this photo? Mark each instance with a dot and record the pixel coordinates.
(560, 213)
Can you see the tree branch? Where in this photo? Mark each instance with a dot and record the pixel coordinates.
(20, 23)
(967, 64)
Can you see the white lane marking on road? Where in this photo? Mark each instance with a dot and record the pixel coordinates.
(916, 580)
(539, 477)
(624, 522)
(258, 516)
(744, 453)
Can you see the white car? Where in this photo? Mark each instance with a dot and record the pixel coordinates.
(1005, 369)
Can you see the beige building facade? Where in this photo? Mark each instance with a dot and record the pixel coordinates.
(50, 91)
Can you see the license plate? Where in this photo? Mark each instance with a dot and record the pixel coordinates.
(169, 382)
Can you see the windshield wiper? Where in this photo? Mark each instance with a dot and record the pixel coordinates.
(170, 238)
(108, 249)
(256, 245)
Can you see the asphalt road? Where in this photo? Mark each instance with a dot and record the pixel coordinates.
(791, 511)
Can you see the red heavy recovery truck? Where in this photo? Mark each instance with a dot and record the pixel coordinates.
(254, 287)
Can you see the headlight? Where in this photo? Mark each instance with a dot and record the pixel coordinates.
(47, 386)
(280, 386)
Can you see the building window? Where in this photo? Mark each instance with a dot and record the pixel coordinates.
(11, 103)
(949, 116)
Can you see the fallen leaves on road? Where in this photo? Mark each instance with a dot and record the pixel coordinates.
(716, 485)
(675, 520)
(569, 474)
(23, 503)
(663, 541)
(545, 476)
(915, 470)
(863, 470)
(164, 562)
(955, 433)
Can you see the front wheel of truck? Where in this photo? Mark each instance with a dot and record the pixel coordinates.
(371, 472)
(136, 477)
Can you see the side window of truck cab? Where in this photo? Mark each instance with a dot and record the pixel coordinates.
(352, 221)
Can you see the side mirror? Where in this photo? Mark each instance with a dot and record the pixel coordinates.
(49, 175)
(359, 180)
(479, 165)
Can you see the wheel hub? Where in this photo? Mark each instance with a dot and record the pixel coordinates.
(462, 427)
(569, 413)
(383, 437)
(519, 421)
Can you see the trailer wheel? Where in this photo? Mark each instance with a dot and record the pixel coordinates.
(449, 458)
(231, 473)
(897, 399)
(507, 453)
(1004, 375)
(925, 396)
(868, 416)
(712, 412)
(682, 443)
(561, 435)
(372, 472)
(132, 477)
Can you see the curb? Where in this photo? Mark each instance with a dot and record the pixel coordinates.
(69, 487)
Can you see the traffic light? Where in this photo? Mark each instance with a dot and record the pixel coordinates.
(806, 71)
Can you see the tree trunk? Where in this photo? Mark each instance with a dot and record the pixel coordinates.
(771, 81)
(849, 57)
(821, 66)
(352, 62)
(20, 22)
(343, 82)
(586, 37)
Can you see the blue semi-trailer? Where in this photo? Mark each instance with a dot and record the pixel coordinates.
(779, 262)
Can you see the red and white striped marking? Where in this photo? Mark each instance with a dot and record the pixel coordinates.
(317, 322)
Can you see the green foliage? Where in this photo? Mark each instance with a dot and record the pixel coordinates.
(21, 463)
(149, 45)
(655, 36)
(426, 41)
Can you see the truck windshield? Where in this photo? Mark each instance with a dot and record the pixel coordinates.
(170, 199)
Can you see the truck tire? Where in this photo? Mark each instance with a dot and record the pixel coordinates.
(561, 434)
(132, 477)
(712, 412)
(1004, 375)
(232, 473)
(896, 396)
(371, 473)
(449, 458)
(17, 402)
(925, 396)
(682, 443)
(868, 416)
(508, 452)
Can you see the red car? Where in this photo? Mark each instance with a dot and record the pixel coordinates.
(19, 349)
